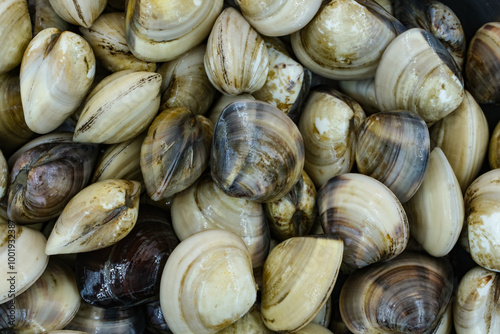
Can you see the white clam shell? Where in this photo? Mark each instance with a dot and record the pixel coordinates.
(79, 12)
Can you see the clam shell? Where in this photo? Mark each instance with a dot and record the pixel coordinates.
(394, 148)
(236, 60)
(494, 148)
(155, 319)
(223, 102)
(50, 303)
(159, 30)
(299, 275)
(313, 328)
(324, 315)
(407, 295)
(207, 283)
(205, 206)
(436, 211)
(417, 74)
(4, 176)
(366, 215)
(251, 322)
(134, 102)
(98, 216)
(79, 12)
(175, 152)
(43, 16)
(363, 92)
(56, 73)
(16, 249)
(257, 152)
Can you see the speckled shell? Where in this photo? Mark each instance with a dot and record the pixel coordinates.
(346, 39)
(79, 12)
(329, 123)
(394, 148)
(366, 215)
(175, 152)
(416, 73)
(406, 295)
(257, 152)
(482, 203)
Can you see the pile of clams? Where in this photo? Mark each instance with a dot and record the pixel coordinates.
(271, 166)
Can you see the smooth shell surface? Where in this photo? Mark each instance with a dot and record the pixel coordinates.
(79, 12)
(251, 322)
(4, 176)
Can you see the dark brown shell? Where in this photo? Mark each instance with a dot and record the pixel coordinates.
(154, 317)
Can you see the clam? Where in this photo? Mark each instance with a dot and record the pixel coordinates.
(15, 25)
(494, 148)
(363, 92)
(298, 267)
(79, 12)
(436, 211)
(324, 315)
(416, 73)
(476, 308)
(207, 283)
(175, 151)
(394, 148)
(106, 36)
(223, 102)
(128, 273)
(346, 39)
(313, 328)
(46, 177)
(329, 123)
(134, 102)
(278, 17)
(155, 321)
(50, 303)
(19, 268)
(185, 82)
(406, 295)
(366, 215)
(205, 206)
(236, 60)
(4, 176)
(163, 30)
(56, 73)
(251, 322)
(387, 5)
(257, 152)
(43, 16)
(293, 215)
(482, 66)
(96, 217)
(482, 203)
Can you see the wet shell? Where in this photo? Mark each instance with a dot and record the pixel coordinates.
(366, 215)
(251, 322)
(128, 273)
(494, 148)
(417, 74)
(223, 102)
(476, 308)
(257, 152)
(205, 206)
(20, 243)
(107, 38)
(207, 283)
(463, 137)
(436, 211)
(175, 152)
(278, 17)
(329, 123)
(159, 30)
(295, 268)
(394, 148)
(407, 295)
(4, 176)
(236, 60)
(155, 319)
(50, 303)
(79, 12)
(56, 73)
(98, 216)
(346, 39)
(43, 16)
(363, 92)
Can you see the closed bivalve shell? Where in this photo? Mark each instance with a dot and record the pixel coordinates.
(79, 12)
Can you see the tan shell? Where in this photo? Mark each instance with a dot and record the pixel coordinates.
(251, 322)
(313, 328)
(494, 148)
(43, 16)
(79, 12)
(363, 92)
(4, 176)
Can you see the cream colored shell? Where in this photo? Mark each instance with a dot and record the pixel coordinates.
(79, 12)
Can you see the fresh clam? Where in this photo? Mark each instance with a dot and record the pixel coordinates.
(329, 123)
(394, 148)
(278, 17)
(257, 152)
(56, 73)
(207, 283)
(205, 206)
(79, 12)
(23, 259)
(313, 328)
(236, 60)
(298, 267)
(366, 215)
(161, 30)
(4, 176)
(223, 102)
(50, 303)
(98, 216)
(251, 322)
(106, 36)
(363, 92)
(494, 148)
(416, 73)
(155, 321)
(15, 27)
(409, 294)
(43, 16)
(119, 108)
(175, 151)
